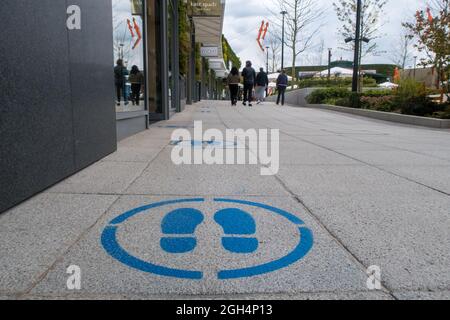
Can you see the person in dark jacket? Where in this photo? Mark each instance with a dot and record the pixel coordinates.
(282, 83)
(262, 82)
(137, 84)
(120, 73)
(249, 75)
(233, 81)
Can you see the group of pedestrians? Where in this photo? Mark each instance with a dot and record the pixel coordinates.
(136, 79)
(255, 85)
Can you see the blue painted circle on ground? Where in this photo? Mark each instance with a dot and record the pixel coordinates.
(113, 248)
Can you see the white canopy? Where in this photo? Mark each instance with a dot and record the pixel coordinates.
(274, 77)
(388, 85)
(336, 72)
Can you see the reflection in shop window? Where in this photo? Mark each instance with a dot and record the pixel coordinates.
(129, 69)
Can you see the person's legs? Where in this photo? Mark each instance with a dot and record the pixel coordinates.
(125, 94)
(283, 93)
(135, 93)
(279, 95)
(250, 94)
(260, 94)
(247, 93)
(118, 92)
(234, 88)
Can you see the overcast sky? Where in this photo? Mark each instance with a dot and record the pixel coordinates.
(243, 19)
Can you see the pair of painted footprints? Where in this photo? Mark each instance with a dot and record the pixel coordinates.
(179, 228)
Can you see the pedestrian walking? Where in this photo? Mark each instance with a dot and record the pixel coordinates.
(120, 73)
(249, 76)
(282, 83)
(262, 83)
(137, 85)
(234, 79)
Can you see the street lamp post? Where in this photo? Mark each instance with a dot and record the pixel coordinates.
(329, 64)
(284, 13)
(415, 66)
(357, 48)
(267, 59)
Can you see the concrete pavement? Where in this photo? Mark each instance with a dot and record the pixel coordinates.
(351, 193)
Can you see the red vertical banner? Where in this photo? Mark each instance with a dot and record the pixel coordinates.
(260, 33)
(130, 27)
(138, 32)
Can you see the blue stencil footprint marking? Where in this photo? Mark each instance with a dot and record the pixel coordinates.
(180, 222)
(237, 222)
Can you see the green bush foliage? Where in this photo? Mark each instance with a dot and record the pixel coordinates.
(321, 95)
(410, 98)
(334, 82)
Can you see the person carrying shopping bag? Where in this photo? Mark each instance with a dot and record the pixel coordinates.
(262, 82)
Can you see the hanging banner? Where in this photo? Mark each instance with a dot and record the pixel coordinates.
(205, 8)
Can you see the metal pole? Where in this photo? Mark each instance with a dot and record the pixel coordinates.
(164, 68)
(415, 66)
(191, 76)
(357, 48)
(329, 64)
(267, 59)
(176, 58)
(282, 41)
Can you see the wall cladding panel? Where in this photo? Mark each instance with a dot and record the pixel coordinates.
(56, 103)
(91, 64)
(36, 130)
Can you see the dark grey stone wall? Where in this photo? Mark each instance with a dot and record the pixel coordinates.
(56, 94)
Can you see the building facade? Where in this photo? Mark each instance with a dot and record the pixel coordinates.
(62, 106)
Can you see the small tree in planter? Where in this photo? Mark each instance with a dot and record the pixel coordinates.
(432, 31)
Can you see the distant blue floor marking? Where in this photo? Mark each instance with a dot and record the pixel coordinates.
(302, 249)
(112, 246)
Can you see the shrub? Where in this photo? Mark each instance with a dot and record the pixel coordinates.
(411, 98)
(382, 103)
(444, 114)
(334, 82)
(378, 93)
(322, 95)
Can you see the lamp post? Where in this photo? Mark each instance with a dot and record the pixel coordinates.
(415, 66)
(267, 59)
(329, 64)
(357, 48)
(284, 13)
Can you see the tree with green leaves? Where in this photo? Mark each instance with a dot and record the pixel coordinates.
(371, 21)
(431, 29)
